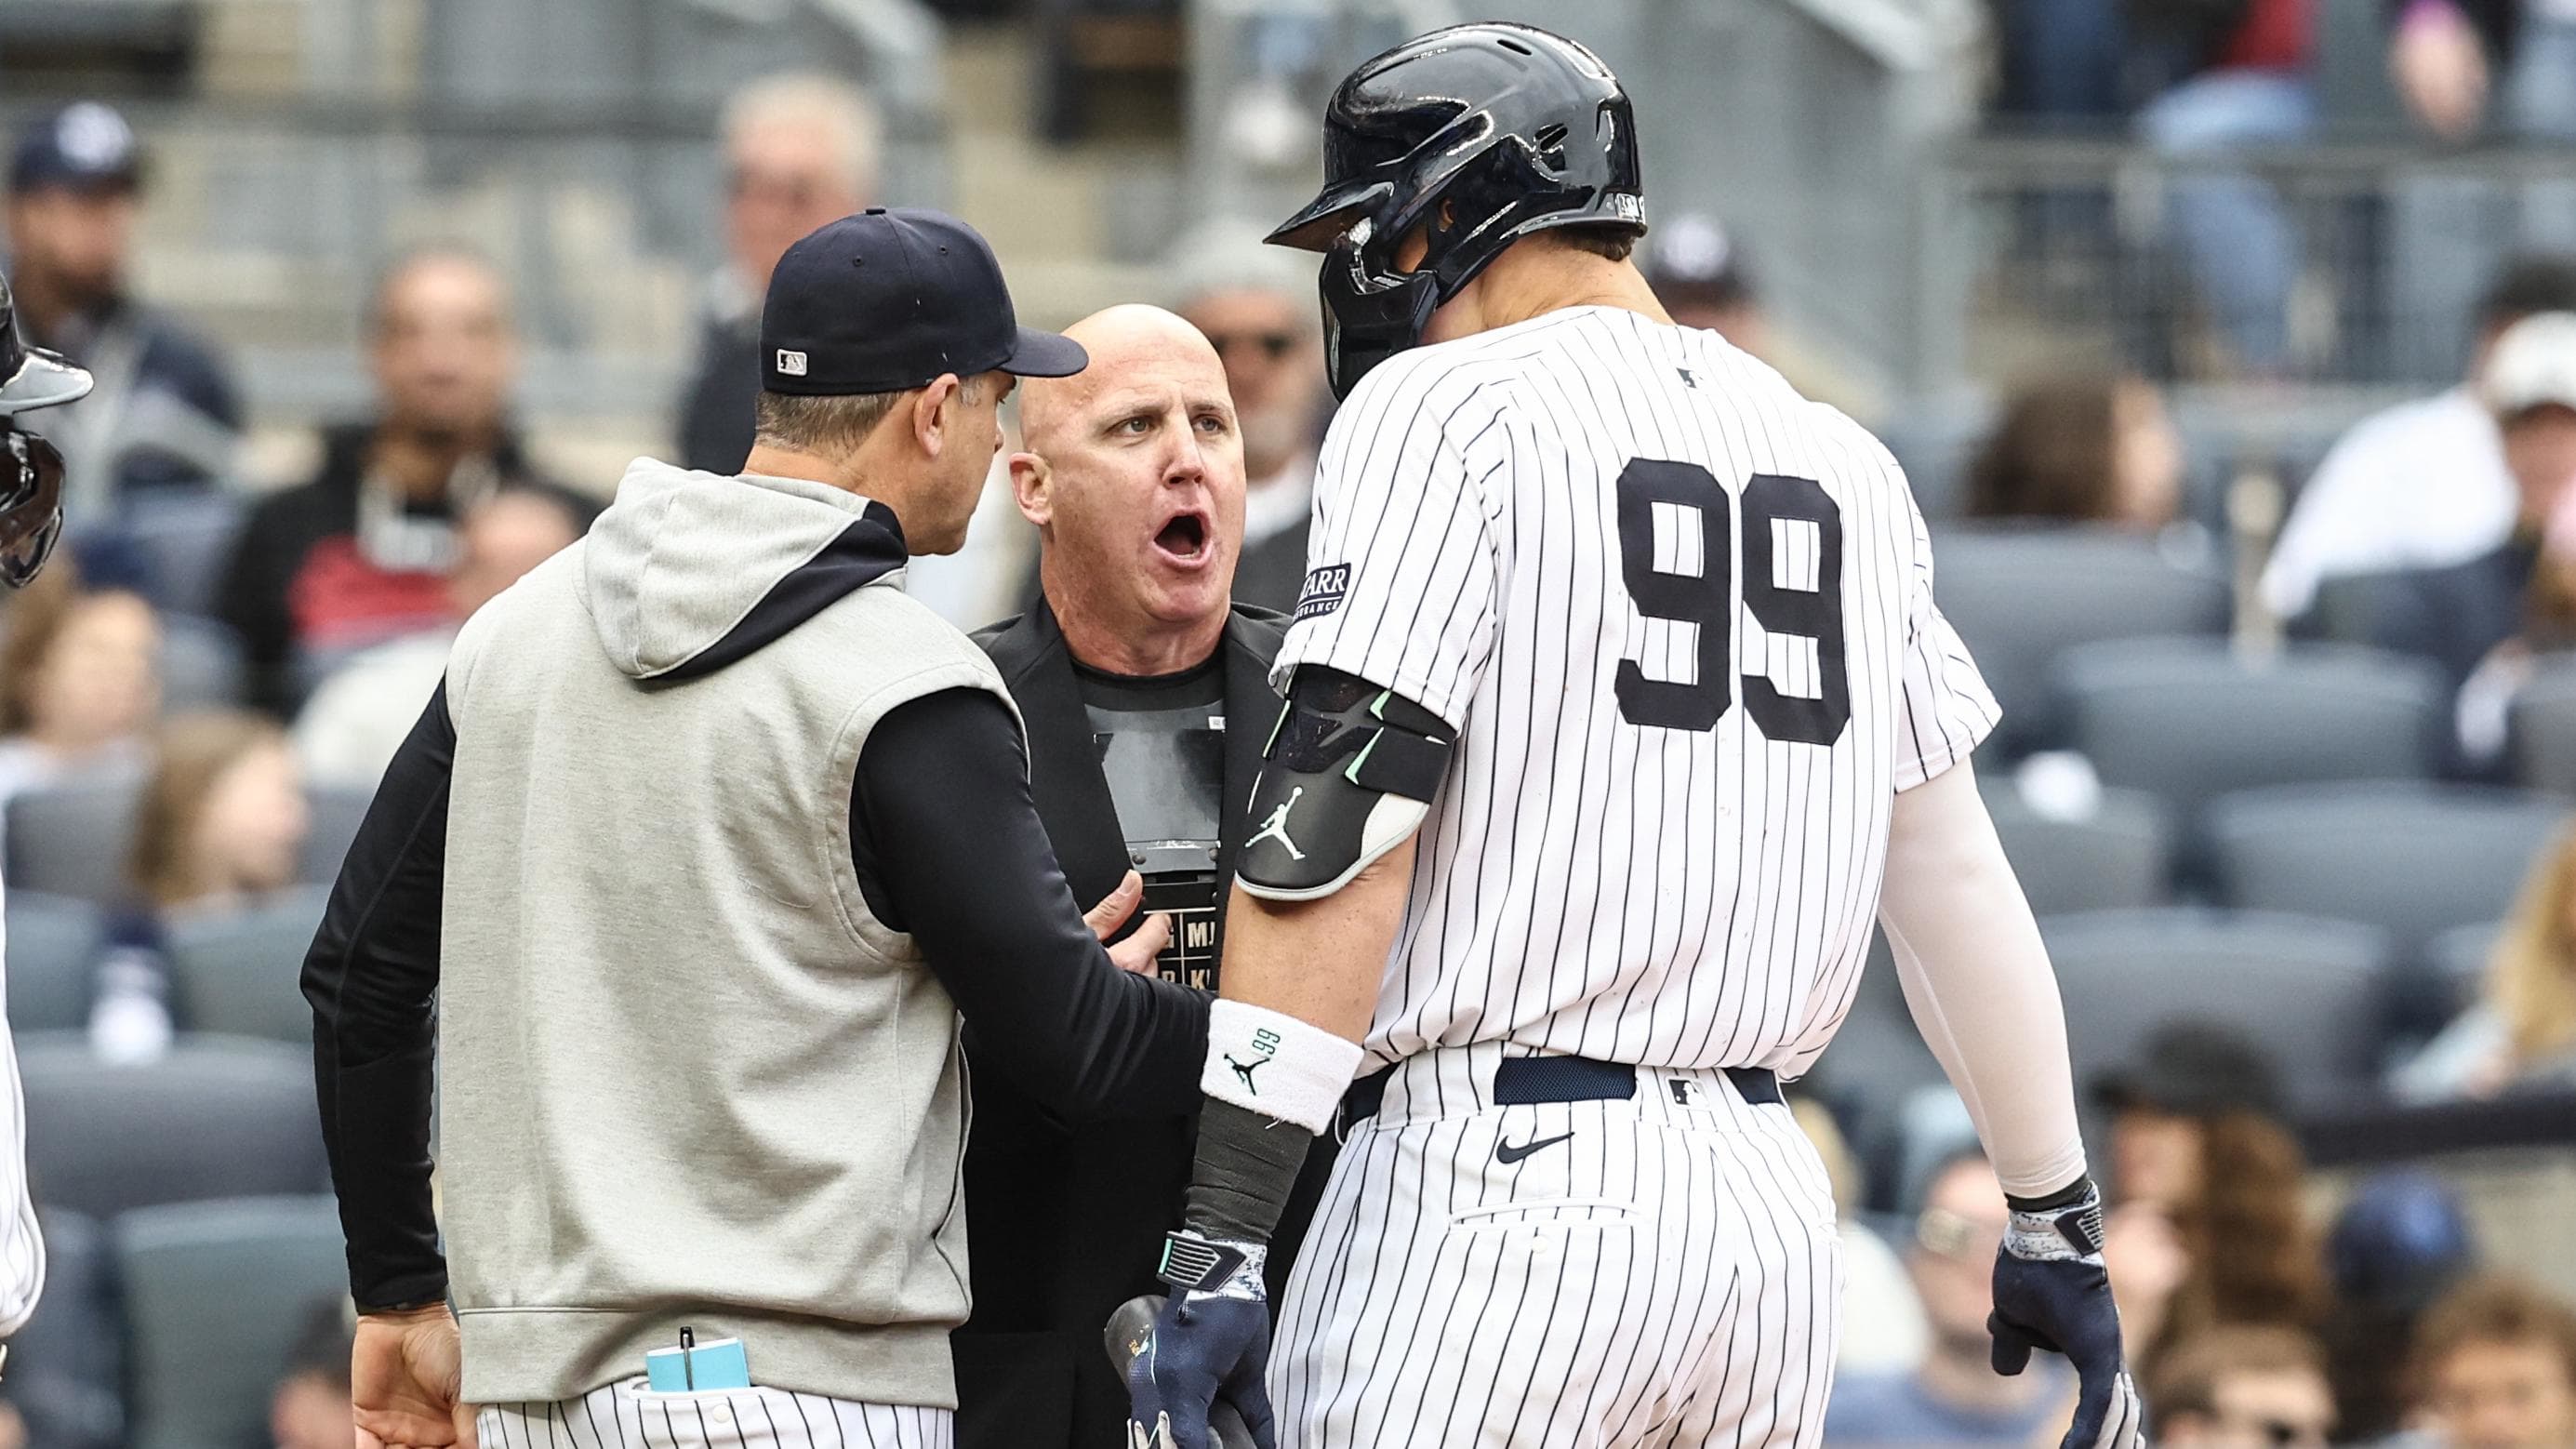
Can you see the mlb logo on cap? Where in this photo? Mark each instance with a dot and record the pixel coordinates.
(791, 364)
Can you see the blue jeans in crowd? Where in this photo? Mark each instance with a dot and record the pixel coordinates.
(2235, 235)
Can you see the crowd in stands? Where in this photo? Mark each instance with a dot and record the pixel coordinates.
(194, 701)
(2208, 86)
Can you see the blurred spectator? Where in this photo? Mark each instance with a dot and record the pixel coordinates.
(1955, 1396)
(800, 150)
(2196, 1136)
(348, 731)
(361, 554)
(2399, 1244)
(1883, 1330)
(2423, 484)
(223, 820)
(1257, 306)
(310, 1409)
(2495, 1368)
(2148, 1266)
(78, 683)
(2444, 54)
(2482, 620)
(2243, 82)
(2243, 1388)
(2081, 450)
(2522, 1031)
(221, 824)
(164, 411)
(1698, 273)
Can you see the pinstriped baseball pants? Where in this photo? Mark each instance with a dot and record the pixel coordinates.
(627, 1416)
(1660, 1271)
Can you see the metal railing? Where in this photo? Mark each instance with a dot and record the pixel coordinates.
(2035, 252)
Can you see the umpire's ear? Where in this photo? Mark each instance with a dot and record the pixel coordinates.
(1033, 484)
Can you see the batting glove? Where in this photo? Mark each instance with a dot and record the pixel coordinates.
(2051, 1292)
(1211, 1343)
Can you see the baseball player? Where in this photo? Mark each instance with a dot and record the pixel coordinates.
(31, 522)
(1617, 703)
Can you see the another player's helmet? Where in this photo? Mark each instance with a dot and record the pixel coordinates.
(31, 471)
(1515, 129)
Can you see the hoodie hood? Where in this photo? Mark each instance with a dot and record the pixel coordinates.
(687, 572)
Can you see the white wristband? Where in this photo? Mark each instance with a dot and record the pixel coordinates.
(1270, 1062)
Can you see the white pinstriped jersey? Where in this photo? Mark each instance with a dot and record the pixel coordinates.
(22, 1248)
(1683, 621)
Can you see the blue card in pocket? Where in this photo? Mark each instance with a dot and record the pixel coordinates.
(698, 1368)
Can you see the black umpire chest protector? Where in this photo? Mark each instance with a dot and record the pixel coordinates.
(1064, 1224)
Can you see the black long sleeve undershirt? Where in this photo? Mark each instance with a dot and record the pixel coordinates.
(948, 847)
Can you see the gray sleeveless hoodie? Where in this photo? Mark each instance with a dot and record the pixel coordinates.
(686, 1077)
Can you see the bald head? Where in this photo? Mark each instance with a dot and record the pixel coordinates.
(1125, 342)
(1133, 472)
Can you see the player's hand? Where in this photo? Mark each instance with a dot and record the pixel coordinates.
(1205, 1348)
(1138, 951)
(406, 1374)
(2051, 1292)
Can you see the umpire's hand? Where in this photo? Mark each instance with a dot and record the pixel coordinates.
(2051, 1292)
(406, 1374)
(1135, 954)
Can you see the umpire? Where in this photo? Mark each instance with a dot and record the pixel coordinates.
(1147, 697)
(704, 844)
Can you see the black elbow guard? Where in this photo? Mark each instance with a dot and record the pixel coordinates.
(1348, 775)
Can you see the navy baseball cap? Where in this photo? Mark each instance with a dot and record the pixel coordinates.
(86, 146)
(888, 300)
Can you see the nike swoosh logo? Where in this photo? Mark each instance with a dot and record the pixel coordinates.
(1515, 1151)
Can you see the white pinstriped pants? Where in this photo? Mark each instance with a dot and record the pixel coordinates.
(628, 1416)
(1667, 1274)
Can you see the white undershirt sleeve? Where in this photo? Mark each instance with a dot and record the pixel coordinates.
(1978, 981)
(22, 1249)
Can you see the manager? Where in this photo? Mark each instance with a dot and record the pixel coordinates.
(705, 843)
(1147, 698)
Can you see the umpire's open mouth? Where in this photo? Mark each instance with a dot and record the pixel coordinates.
(1184, 539)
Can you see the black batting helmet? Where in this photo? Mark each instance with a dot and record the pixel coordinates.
(31, 471)
(1515, 129)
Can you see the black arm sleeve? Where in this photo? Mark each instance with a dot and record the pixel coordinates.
(372, 977)
(948, 845)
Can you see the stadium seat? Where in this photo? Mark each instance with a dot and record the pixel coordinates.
(2117, 858)
(1935, 443)
(201, 664)
(184, 540)
(236, 974)
(66, 1367)
(2309, 991)
(214, 1118)
(337, 814)
(215, 1295)
(71, 840)
(2187, 720)
(2020, 598)
(2413, 859)
(2544, 729)
(2460, 956)
(54, 946)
